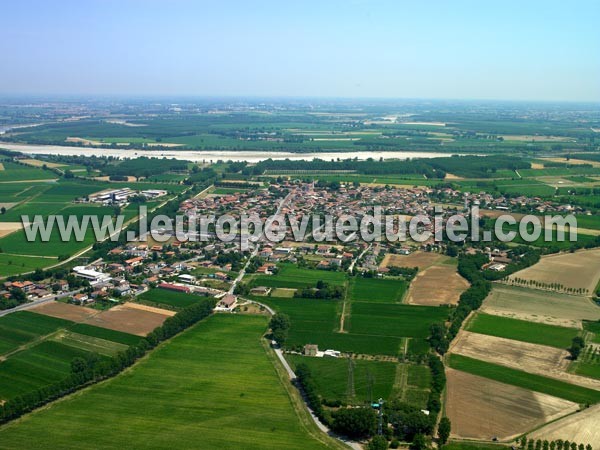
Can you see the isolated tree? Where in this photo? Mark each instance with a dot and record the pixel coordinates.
(280, 324)
(444, 430)
(378, 443)
(3, 210)
(577, 345)
(419, 442)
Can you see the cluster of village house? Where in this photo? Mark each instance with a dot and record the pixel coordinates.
(110, 277)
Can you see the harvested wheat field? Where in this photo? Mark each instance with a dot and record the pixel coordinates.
(537, 359)
(540, 306)
(65, 311)
(480, 408)
(437, 285)
(38, 163)
(131, 318)
(572, 270)
(107, 178)
(7, 228)
(573, 161)
(582, 427)
(510, 353)
(419, 259)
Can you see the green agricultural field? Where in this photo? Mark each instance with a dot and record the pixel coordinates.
(521, 330)
(588, 369)
(225, 191)
(318, 322)
(376, 290)
(170, 298)
(23, 327)
(331, 377)
(17, 192)
(89, 343)
(212, 386)
(17, 243)
(525, 380)
(589, 222)
(13, 264)
(37, 349)
(593, 327)
(291, 276)
(105, 333)
(379, 319)
(21, 173)
(35, 367)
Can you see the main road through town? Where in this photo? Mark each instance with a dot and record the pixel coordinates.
(268, 224)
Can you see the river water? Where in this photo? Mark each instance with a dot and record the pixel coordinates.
(251, 156)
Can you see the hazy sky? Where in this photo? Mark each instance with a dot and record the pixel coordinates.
(530, 50)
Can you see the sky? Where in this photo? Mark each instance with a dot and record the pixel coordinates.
(508, 50)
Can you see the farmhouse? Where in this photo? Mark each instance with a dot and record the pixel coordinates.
(227, 303)
(261, 290)
(311, 350)
(81, 298)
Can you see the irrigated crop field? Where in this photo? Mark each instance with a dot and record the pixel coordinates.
(521, 330)
(169, 298)
(540, 306)
(331, 377)
(202, 388)
(579, 270)
(376, 290)
(394, 320)
(36, 350)
(291, 276)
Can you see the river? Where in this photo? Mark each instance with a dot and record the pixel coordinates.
(250, 156)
